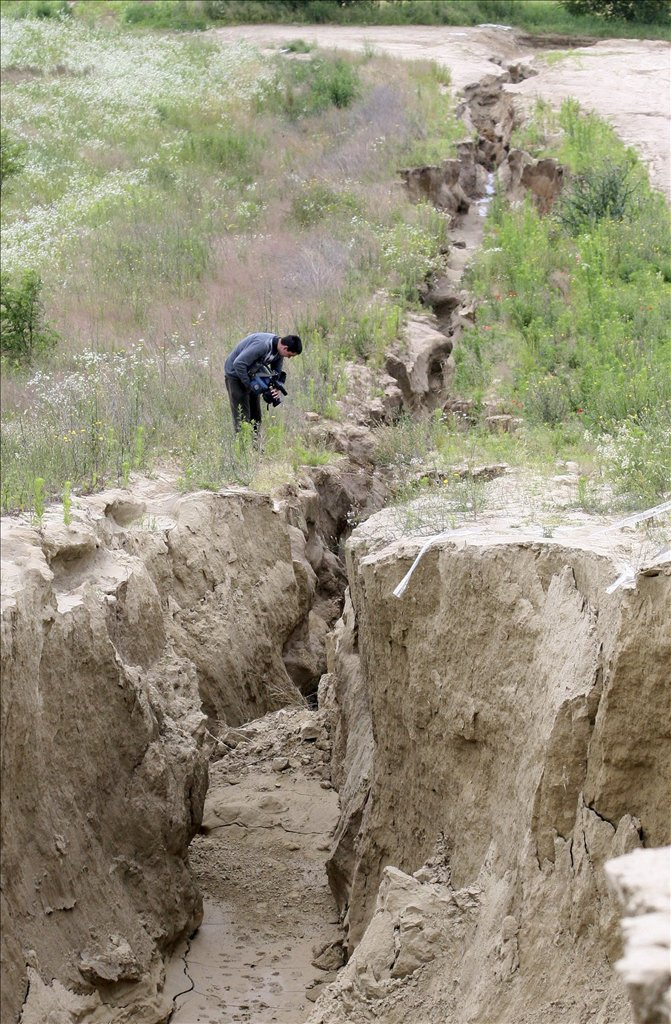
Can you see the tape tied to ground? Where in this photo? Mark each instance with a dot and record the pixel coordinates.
(638, 517)
(445, 535)
(627, 577)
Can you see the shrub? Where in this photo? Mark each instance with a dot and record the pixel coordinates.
(40, 9)
(410, 252)
(298, 46)
(317, 200)
(182, 15)
(11, 156)
(23, 331)
(550, 399)
(313, 86)
(628, 10)
(595, 195)
(404, 445)
(336, 84)
(637, 456)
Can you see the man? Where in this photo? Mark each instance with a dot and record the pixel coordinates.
(247, 358)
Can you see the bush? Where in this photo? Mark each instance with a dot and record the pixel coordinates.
(550, 399)
(312, 86)
(39, 9)
(298, 46)
(627, 10)
(23, 332)
(410, 252)
(182, 15)
(317, 200)
(637, 456)
(605, 192)
(11, 156)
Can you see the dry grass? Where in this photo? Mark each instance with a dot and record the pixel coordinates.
(195, 255)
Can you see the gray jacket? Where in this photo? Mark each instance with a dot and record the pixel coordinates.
(252, 351)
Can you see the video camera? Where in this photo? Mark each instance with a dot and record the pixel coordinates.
(264, 381)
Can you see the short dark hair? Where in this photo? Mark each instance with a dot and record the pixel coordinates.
(293, 343)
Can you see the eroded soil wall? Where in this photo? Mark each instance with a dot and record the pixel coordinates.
(134, 638)
(517, 738)
(117, 631)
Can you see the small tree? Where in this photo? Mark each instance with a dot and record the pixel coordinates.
(23, 331)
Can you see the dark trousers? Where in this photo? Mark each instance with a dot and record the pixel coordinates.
(245, 405)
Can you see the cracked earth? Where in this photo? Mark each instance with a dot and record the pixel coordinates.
(259, 861)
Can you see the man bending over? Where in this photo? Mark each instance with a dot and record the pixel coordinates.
(254, 354)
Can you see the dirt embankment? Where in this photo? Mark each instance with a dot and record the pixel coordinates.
(132, 639)
(105, 745)
(500, 731)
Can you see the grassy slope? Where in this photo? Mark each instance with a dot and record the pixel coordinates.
(176, 195)
(226, 192)
(576, 305)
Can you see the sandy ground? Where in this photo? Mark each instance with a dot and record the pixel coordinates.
(624, 80)
(260, 865)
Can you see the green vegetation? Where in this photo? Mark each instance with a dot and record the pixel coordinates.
(24, 334)
(310, 87)
(571, 337)
(603, 193)
(576, 307)
(165, 14)
(646, 11)
(171, 200)
(646, 18)
(172, 194)
(12, 156)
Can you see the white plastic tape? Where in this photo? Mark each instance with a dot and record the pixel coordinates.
(638, 517)
(400, 589)
(625, 579)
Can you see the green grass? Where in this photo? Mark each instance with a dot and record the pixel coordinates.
(171, 205)
(571, 338)
(577, 311)
(534, 16)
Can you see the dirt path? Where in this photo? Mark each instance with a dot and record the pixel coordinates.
(623, 80)
(268, 819)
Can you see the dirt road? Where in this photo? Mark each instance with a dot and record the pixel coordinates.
(623, 80)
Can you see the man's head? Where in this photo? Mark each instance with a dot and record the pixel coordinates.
(290, 345)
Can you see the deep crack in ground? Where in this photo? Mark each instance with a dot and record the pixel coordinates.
(268, 908)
